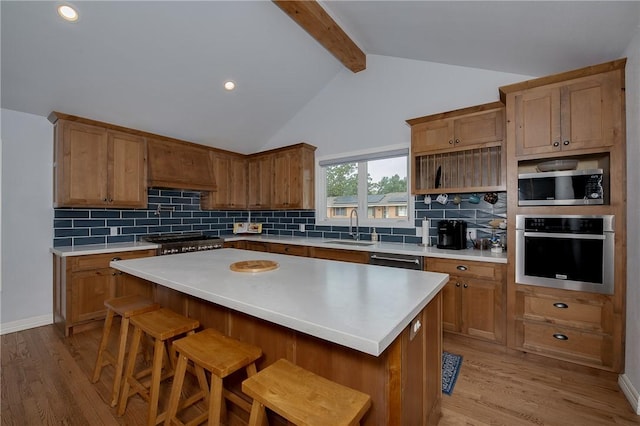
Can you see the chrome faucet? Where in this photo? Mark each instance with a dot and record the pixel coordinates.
(355, 235)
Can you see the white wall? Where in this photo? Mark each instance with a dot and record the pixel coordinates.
(631, 377)
(27, 221)
(369, 109)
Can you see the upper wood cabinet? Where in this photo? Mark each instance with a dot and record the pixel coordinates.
(230, 171)
(97, 167)
(293, 177)
(260, 181)
(579, 114)
(181, 165)
(459, 151)
(460, 129)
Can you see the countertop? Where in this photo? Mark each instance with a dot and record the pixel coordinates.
(363, 307)
(383, 247)
(102, 248)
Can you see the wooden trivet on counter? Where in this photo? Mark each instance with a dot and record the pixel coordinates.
(254, 266)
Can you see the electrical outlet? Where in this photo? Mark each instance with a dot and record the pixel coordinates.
(113, 230)
(302, 227)
(471, 234)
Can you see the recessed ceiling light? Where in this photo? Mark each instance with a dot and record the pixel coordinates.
(68, 13)
(229, 85)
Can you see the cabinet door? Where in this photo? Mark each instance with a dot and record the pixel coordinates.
(127, 170)
(285, 193)
(89, 291)
(482, 313)
(81, 165)
(451, 305)
(237, 183)
(479, 128)
(591, 112)
(230, 175)
(432, 135)
(260, 176)
(537, 121)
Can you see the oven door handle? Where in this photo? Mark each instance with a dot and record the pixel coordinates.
(560, 235)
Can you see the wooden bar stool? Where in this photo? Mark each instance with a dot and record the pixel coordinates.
(221, 356)
(126, 307)
(161, 325)
(303, 397)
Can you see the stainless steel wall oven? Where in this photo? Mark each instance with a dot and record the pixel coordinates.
(571, 252)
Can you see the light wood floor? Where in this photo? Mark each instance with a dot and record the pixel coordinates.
(45, 381)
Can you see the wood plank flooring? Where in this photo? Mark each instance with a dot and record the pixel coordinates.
(45, 381)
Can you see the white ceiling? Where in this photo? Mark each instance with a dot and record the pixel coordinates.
(159, 66)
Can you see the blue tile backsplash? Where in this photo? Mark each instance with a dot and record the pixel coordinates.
(180, 212)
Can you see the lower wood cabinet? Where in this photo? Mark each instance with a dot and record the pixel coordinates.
(473, 301)
(353, 256)
(568, 325)
(81, 284)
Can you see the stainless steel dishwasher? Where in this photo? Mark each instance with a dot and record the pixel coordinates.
(404, 261)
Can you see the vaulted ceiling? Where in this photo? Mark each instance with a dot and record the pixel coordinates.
(160, 66)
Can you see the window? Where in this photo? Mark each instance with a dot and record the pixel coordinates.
(374, 184)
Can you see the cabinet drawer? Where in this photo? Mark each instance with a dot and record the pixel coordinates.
(353, 256)
(582, 346)
(292, 250)
(567, 312)
(463, 268)
(97, 261)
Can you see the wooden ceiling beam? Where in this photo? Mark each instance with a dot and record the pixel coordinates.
(317, 22)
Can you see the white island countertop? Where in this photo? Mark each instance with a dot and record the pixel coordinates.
(363, 307)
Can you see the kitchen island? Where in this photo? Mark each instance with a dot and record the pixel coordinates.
(373, 328)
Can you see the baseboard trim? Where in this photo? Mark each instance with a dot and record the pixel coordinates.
(632, 394)
(25, 324)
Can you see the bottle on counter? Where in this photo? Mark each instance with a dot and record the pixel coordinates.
(374, 235)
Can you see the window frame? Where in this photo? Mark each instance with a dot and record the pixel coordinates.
(363, 217)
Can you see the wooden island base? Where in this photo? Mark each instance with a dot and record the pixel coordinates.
(404, 382)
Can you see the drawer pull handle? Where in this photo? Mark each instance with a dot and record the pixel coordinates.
(560, 305)
(457, 284)
(466, 286)
(461, 268)
(560, 336)
(115, 259)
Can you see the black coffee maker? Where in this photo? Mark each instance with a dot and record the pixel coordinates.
(452, 234)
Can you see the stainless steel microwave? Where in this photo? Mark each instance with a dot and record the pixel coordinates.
(568, 187)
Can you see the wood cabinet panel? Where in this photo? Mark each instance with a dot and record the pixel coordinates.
(459, 151)
(260, 181)
(567, 343)
(127, 170)
(290, 249)
(353, 256)
(404, 382)
(257, 246)
(180, 165)
(98, 167)
(474, 301)
(89, 291)
(293, 177)
(81, 284)
(576, 115)
(230, 173)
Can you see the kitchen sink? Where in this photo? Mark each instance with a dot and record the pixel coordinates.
(351, 242)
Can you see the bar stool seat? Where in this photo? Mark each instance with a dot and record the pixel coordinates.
(160, 325)
(221, 356)
(302, 397)
(126, 307)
